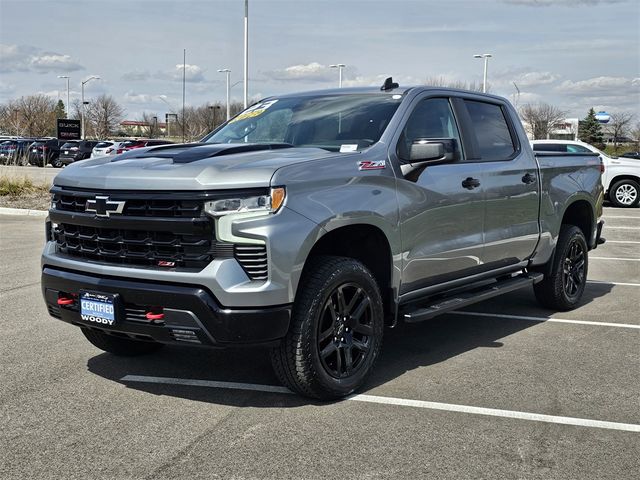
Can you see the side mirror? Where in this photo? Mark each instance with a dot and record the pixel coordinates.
(433, 150)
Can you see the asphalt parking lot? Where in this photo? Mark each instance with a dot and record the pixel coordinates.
(503, 390)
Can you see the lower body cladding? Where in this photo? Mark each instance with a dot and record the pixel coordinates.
(160, 312)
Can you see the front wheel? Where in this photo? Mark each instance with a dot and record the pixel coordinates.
(57, 163)
(562, 289)
(123, 347)
(336, 330)
(625, 193)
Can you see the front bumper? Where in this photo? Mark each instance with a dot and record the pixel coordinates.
(192, 315)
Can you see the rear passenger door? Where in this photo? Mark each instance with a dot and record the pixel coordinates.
(510, 181)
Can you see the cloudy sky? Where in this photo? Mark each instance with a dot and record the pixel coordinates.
(574, 54)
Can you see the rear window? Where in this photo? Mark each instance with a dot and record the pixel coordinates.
(70, 145)
(492, 131)
(103, 144)
(131, 143)
(549, 147)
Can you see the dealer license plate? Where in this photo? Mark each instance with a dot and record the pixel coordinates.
(98, 308)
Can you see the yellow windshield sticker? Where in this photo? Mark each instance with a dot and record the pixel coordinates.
(254, 111)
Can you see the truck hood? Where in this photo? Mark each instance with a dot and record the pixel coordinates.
(187, 167)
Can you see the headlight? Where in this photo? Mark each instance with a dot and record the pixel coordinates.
(261, 203)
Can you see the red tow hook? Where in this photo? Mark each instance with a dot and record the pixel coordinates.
(154, 316)
(65, 301)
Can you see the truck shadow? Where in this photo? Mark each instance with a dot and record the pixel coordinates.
(405, 348)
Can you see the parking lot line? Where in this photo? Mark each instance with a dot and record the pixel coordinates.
(616, 258)
(448, 407)
(623, 241)
(620, 216)
(544, 319)
(608, 227)
(624, 284)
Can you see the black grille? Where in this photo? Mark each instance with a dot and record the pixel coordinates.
(253, 259)
(138, 207)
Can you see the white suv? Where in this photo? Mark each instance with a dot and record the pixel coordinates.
(621, 177)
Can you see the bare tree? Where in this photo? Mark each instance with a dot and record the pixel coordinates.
(34, 115)
(104, 115)
(443, 82)
(619, 126)
(635, 134)
(540, 119)
(150, 127)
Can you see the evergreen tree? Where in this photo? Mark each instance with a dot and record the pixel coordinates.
(590, 130)
(60, 110)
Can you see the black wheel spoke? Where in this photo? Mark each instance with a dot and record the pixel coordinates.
(363, 329)
(328, 350)
(348, 360)
(360, 309)
(326, 334)
(342, 306)
(360, 345)
(353, 301)
(339, 361)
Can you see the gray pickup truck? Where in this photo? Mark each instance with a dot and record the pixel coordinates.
(309, 222)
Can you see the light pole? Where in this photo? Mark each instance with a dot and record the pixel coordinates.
(246, 53)
(339, 66)
(67, 106)
(486, 57)
(228, 73)
(93, 77)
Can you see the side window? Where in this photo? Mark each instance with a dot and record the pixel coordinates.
(491, 129)
(577, 149)
(432, 118)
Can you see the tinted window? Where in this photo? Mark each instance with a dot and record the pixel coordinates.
(577, 149)
(491, 129)
(104, 144)
(549, 147)
(432, 118)
(70, 145)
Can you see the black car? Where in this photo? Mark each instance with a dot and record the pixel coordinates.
(634, 155)
(75, 150)
(42, 152)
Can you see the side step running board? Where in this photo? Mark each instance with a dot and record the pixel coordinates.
(467, 298)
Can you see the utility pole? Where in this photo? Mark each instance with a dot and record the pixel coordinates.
(339, 66)
(82, 113)
(228, 73)
(184, 80)
(246, 53)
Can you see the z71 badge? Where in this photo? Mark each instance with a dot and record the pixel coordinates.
(370, 165)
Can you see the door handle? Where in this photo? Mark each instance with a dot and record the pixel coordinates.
(470, 183)
(528, 179)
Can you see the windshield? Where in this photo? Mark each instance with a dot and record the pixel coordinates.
(334, 122)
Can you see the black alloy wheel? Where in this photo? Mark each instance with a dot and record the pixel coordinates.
(345, 330)
(573, 270)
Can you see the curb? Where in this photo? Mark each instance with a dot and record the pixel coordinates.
(23, 211)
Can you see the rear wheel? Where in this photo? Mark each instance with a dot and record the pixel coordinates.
(625, 193)
(123, 347)
(336, 330)
(57, 163)
(562, 289)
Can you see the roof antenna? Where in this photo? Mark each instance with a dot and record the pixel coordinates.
(389, 84)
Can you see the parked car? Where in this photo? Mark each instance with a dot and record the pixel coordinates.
(133, 144)
(15, 152)
(45, 151)
(75, 150)
(311, 221)
(635, 155)
(105, 148)
(621, 177)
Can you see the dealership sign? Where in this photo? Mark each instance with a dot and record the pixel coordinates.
(68, 129)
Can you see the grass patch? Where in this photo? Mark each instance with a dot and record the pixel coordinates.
(16, 187)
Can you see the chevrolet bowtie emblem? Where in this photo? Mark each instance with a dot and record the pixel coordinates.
(103, 207)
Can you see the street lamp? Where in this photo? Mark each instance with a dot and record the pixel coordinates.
(67, 106)
(93, 77)
(486, 57)
(339, 66)
(228, 72)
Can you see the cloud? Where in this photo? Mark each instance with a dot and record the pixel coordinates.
(561, 3)
(136, 76)
(6, 88)
(133, 97)
(24, 58)
(601, 87)
(310, 72)
(192, 73)
(532, 79)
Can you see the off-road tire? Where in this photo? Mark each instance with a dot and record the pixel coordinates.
(556, 290)
(122, 347)
(628, 192)
(298, 361)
